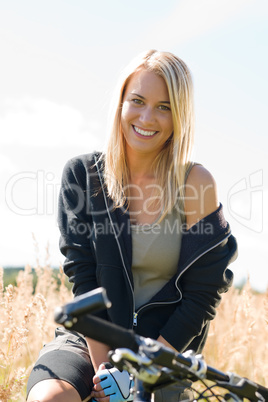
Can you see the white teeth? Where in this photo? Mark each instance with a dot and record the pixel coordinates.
(143, 132)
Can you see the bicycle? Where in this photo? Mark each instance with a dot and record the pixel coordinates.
(153, 365)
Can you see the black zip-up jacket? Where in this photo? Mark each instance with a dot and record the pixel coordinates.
(96, 241)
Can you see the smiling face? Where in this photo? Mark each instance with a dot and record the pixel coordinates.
(146, 118)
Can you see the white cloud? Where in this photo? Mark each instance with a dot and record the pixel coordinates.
(40, 122)
(36, 133)
(18, 245)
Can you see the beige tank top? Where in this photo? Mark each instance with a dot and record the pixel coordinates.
(156, 250)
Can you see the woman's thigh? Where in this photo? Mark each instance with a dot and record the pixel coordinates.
(65, 358)
(53, 390)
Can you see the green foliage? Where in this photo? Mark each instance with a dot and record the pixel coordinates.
(11, 273)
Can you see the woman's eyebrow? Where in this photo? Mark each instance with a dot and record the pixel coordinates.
(142, 97)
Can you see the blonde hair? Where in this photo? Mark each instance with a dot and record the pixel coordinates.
(171, 164)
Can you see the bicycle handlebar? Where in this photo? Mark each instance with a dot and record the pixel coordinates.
(75, 316)
(89, 302)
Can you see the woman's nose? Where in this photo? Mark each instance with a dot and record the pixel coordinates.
(147, 115)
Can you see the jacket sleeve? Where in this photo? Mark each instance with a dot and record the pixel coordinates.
(201, 286)
(75, 224)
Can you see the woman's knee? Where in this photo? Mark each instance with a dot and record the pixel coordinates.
(53, 390)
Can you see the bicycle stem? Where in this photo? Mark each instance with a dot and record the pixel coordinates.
(140, 393)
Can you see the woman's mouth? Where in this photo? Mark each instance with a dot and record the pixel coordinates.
(144, 133)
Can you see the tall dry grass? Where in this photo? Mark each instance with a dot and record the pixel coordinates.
(26, 324)
(237, 340)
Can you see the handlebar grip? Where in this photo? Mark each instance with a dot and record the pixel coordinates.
(263, 391)
(87, 303)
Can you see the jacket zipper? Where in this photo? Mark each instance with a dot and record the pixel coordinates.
(135, 319)
(135, 314)
(118, 244)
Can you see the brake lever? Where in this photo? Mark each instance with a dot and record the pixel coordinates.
(139, 365)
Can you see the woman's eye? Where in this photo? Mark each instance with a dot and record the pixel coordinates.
(163, 107)
(137, 101)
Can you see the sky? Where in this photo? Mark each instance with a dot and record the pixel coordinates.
(60, 60)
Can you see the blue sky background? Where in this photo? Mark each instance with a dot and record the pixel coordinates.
(59, 63)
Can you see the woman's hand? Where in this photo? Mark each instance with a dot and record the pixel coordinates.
(98, 393)
(112, 385)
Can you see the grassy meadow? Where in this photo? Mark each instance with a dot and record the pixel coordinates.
(237, 340)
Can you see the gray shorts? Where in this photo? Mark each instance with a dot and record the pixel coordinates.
(67, 358)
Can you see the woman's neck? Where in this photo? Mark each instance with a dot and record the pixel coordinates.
(141, 167)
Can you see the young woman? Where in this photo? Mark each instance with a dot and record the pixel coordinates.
(145, 223)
